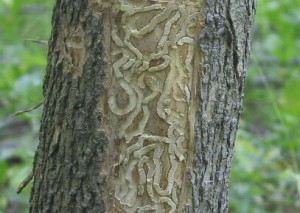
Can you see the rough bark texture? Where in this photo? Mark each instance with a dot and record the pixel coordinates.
(81, 163)
(71, 149)
(225, 45)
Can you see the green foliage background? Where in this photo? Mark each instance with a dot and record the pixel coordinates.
(265, 173)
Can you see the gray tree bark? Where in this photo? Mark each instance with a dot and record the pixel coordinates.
(142, 103)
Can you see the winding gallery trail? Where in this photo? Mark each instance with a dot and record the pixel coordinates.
(152, 52)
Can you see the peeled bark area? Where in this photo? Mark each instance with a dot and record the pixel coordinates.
(152, 49)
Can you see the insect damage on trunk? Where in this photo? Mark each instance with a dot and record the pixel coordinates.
(151, 49)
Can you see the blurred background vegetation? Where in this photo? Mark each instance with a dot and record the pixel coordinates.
(265, 174)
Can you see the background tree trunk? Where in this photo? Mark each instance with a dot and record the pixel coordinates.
(142, 102)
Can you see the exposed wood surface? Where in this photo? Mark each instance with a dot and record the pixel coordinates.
(151, 49)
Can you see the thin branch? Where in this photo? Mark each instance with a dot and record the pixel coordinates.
(24, 183)
(43, 42)
(29, 110)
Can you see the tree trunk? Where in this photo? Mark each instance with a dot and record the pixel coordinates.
(142, 103)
